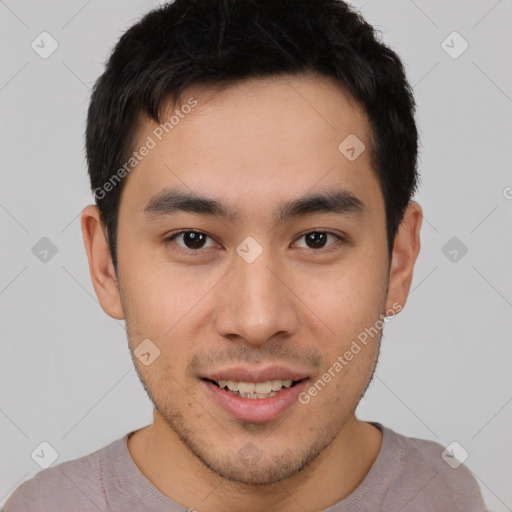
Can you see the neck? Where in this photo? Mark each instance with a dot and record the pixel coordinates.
(176, 472)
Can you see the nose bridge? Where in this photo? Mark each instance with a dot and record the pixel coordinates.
(255, 304)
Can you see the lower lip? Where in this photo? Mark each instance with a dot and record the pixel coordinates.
(255, 409)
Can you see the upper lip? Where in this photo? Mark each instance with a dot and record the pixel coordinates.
(248, 374)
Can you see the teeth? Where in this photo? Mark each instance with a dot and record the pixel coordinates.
(277, 385)
(232, 385)
(254, 395)
(246, 387)
(263, 387)
(259, 388)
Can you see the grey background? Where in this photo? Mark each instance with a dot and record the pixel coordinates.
(444, 371)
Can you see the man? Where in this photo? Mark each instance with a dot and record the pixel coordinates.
(253, 164)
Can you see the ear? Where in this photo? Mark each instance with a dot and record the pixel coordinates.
(405, 251)
(101, 267)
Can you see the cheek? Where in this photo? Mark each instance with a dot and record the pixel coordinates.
(161, 295)
(350, 298)
(348, 365)
(162, 306)
(336, 391)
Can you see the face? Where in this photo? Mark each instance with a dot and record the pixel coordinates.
(245, 289)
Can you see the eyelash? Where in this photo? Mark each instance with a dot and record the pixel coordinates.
(196, 252)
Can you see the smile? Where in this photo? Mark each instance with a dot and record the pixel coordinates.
(266, 389)
(254, 401)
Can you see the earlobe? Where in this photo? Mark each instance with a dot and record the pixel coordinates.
(101, 268)
(405, 252)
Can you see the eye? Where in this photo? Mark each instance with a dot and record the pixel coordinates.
(317, 240)
(192, 241)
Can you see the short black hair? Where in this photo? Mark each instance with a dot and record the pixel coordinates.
(221, 42)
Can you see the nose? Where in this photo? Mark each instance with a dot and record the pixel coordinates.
(256, 302)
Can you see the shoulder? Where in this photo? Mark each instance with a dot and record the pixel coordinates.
(72, 485)
(424, 477)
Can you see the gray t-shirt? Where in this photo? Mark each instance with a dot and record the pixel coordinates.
(408, 475)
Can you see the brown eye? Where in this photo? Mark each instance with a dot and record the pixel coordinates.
(192, 241)
(318, 239)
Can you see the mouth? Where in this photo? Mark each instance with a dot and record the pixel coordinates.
(255, 390)
(259, 396)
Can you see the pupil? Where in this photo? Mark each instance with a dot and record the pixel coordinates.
(316, 240)
(194, 240)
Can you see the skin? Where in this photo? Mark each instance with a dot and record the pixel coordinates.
(253, 145)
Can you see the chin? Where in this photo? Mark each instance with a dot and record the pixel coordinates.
(267, 471)
(259, 464)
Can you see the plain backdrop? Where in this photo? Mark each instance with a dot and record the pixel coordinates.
(445, 368)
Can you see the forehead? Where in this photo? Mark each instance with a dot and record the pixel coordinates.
(255, 143)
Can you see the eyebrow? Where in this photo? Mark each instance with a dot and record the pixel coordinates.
(170, 201)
